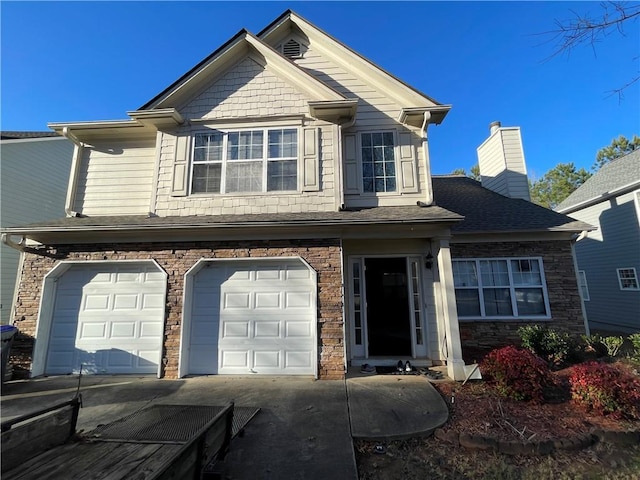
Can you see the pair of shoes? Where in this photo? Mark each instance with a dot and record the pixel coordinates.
(366, 368)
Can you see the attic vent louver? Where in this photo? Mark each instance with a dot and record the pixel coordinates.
(291, 49)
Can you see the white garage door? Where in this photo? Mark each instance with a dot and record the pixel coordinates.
(253, 317)
(109, 318)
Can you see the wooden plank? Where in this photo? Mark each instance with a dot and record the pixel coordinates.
(30, 439)
(27, 469)
(129, 466)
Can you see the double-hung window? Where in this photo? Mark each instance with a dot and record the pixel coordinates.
(245, 161)
(504, 287)
(378, 162)
(627, 279)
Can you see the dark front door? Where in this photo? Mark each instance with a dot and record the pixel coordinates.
(389, 327)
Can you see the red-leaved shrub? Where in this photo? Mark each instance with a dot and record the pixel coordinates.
(606, 390)
(517, 373)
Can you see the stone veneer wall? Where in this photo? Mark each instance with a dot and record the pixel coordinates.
(176, 258)
(562, 288)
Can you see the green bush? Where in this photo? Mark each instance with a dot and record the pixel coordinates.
(606, 390)
(635, 342)
(517, 373)
(613, 345)
(555, 347)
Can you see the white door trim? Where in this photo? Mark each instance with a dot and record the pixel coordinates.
(47, 301)
(187, 301)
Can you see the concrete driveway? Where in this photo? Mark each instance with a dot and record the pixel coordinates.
(304, 429)
(301, 432)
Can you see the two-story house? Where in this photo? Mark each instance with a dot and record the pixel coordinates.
(273, 212)
(609, 257)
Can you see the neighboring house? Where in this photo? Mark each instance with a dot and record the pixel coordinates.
(34, 173)
(609, 257)
(273, 212)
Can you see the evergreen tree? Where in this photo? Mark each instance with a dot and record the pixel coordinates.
(619, 148)
(557, 184)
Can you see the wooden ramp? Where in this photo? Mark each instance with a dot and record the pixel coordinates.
(157, 442)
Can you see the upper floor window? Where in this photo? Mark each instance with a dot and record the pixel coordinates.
(378, 162)
(505, 287)
(263, 160)
(627, 279)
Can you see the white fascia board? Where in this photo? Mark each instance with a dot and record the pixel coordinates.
(92, 125)
(161, 117)
(31, 140)
(362, 67)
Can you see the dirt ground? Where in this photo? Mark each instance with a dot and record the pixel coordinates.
(475, 409)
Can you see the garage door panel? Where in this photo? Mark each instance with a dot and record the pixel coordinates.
(239, 329)
(253, 304)
(92, 331)
(298, 300)
(107, 318)
(268, 300)
(96, 302)
(267, 329)
(300, 359)
(267, 359)
(234, 359)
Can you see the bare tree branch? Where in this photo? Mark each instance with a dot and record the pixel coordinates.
(587, 29)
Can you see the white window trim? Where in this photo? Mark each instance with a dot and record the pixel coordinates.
(635, 276)
(265, 160)
(396, 156)
(582, 278)
(512, 287)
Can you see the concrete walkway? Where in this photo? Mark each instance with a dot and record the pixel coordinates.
(304, 428)
(386, 407)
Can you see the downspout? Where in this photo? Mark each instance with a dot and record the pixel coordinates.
(576, 271)
(425, 151)
(75, 168)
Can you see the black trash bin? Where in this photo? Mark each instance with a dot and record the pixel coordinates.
(7, 332)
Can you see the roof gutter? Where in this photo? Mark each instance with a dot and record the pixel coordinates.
(75, 169)
(21, 245)
(425, 152)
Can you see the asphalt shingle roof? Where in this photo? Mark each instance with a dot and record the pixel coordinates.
(21, 135)
(459, 200)
(487, 211)
(612, 176)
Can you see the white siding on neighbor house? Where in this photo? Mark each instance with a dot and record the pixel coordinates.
(502, 164)
(34, 180)
(246, 90)
(616, 244)
(115, 178)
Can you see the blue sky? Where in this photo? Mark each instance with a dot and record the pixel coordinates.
(76, 61)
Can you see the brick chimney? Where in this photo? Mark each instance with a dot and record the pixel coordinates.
(501, 162)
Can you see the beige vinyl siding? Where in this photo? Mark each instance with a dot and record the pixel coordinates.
(502, 167)
(322, 200)
(375, 109)
(116, 179)
(35, 175)
(246, 90)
